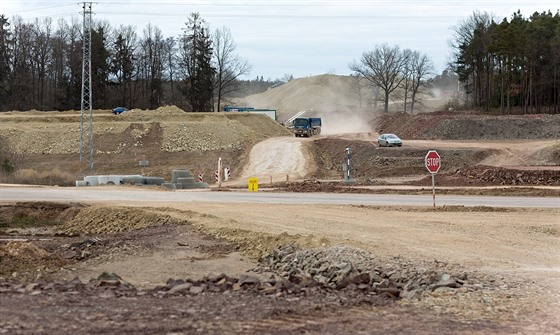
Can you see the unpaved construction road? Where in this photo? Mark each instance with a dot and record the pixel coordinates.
(279, 157)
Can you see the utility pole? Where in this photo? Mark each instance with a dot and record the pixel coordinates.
(86, 105)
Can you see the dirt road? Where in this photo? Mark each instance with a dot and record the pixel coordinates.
(529, 153)
(279, 158)
(503, 153)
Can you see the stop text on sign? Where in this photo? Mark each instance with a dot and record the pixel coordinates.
(432, 161)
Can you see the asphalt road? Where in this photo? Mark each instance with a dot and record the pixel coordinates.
(124, 196)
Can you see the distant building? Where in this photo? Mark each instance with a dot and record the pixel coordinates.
(269, 112)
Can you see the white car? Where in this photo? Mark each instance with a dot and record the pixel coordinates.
(389, 140)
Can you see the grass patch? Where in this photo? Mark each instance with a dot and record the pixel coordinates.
(25, 221)
(51, 178)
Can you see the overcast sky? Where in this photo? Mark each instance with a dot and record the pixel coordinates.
(297, 37)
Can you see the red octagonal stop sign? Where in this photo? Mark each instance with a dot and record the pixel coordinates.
(432, 161)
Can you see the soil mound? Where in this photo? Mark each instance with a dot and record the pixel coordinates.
(469, 126)
(110, 220)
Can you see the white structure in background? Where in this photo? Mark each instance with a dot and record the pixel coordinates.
(298, 114)
(118, 180)
(227, 173)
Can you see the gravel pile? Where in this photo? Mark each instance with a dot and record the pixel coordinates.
(343, 267)
(111, 220)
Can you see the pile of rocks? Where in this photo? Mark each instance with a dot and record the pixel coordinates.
(343, 267)
(291, 272)
(502, 176)
(105, 285)
(112, 285)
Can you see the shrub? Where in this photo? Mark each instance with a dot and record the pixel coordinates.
(53, 177)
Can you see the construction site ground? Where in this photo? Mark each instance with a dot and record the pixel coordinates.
(238, 268)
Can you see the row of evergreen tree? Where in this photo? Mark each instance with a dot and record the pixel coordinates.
(513, 64)
(41, 66)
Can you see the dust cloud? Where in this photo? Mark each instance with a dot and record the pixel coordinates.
(339, 100)
(343, 123)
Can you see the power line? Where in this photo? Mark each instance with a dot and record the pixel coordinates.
(275, 16)
(54, 16)
(37, 9)
(323, 3)
(165, 9)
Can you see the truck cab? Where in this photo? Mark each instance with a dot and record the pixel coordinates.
(306, 126)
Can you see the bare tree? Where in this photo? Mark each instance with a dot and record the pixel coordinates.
(58, 64)
(42, 48)
(418, 68)
(356, 84)
(407, 82)
(21, 65)
(382, 67)
(229, 66)
(422, 68)
(75, 52)
(153, 47)
(170, 60)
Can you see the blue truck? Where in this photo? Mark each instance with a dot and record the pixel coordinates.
(306, 126)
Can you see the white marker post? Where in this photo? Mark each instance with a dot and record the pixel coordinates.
(348, 163)
(219, 172)
(433, 164)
